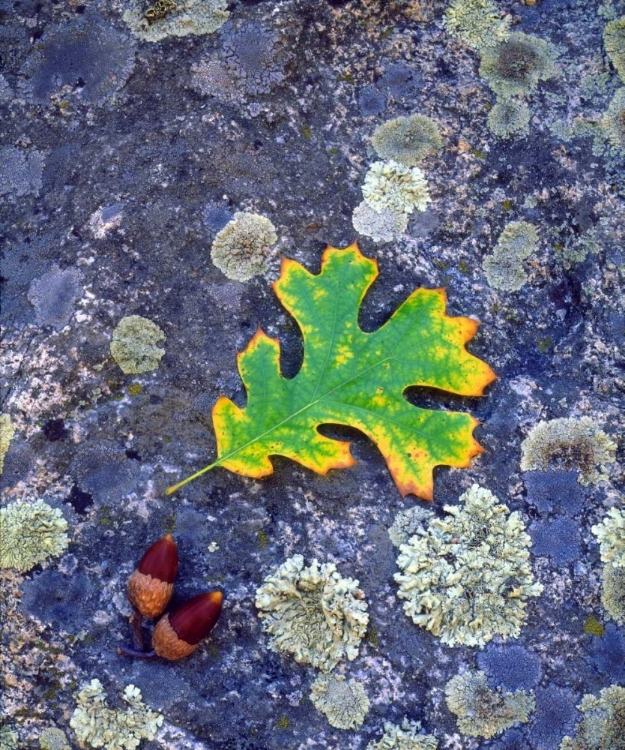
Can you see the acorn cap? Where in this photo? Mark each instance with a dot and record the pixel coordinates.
(151, 585)
(177, 634)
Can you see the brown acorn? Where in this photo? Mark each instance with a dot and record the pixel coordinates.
(177, 634)
(151, 585)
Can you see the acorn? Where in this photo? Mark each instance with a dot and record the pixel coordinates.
(151, 585)
(178, 634)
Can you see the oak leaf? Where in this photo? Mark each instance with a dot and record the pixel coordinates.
(349, 377)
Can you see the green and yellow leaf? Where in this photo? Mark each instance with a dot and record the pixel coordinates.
(349, 377)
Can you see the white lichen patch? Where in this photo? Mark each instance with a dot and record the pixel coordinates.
(478, 23)
(407, 736)
(569, 443)
(466, 577)
(7, 432)
(408, 522)
(611, 536)
(134, 345)
(407, 140)
(344, 702)
(483, 712)
(30, 533)
(381, 226)
(96, 725)
(390, 186)
(504, 266)
(312, 612)
(242, 249)
(186, 17)
(53, 738)
(601, 726)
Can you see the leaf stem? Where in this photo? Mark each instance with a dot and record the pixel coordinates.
(176, 487)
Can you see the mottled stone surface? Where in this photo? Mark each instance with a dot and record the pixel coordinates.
(121, 161)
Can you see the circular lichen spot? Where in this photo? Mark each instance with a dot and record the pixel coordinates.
(407, 140)
(514, 67)
(134, 345)
(381, 226)
(509, 118)
(344, 702)
(242, 249)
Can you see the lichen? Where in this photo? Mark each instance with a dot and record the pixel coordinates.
(509, 118)
(344, 702)
(54, 295)
(252, 55)
(97, 725)
(312, 612)
(197, 17)
(466, 577)
(478, 23)
(407, 140)
(612, 124)
(504, 266)
(8, 738)
(406, 736)
(569, 443)
(20, 171)
(104, 471)
(134, 345)
(613, 592)
(390, 186)
(483, 712)
(603, 722)
(53, 738)
(611, 536)
(7, 431)
(516, 66)
(381, 226)
(242, 249)
(614, 41)
(30, 533)
(406, 523)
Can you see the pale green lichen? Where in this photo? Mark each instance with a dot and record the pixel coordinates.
(614, 41)
(242, 249)
(613, 592)
(611, 536)
(407, 140)
(312, 613)
(9, 740)
(612, 124)
(391, 186)
(478, 23)
(516, 66)
(504, 266)
(30, 533)
(134, 345)
(344, 702)
(197, 17)
(483, 712)
(6, 435)
(569, 443)
(603, 722)
(509, 118)
(406, 736)
(96, 725)
(466, 577)
(381, 226)
(407, 523)
(53, 738)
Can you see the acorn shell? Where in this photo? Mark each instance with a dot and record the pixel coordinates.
(178, 634)
(151, 585)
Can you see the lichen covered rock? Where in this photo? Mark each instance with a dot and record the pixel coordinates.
(407, 140)
(483, 712)
(185, 18)
(603, 722)
(407, 736)
(313, 613)
(504, 266)
(478, 23)
(391, 186)
(242, 249)
(344, 702)
(466, 577)
(7, 431)
(134, 345)
(30, 533)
